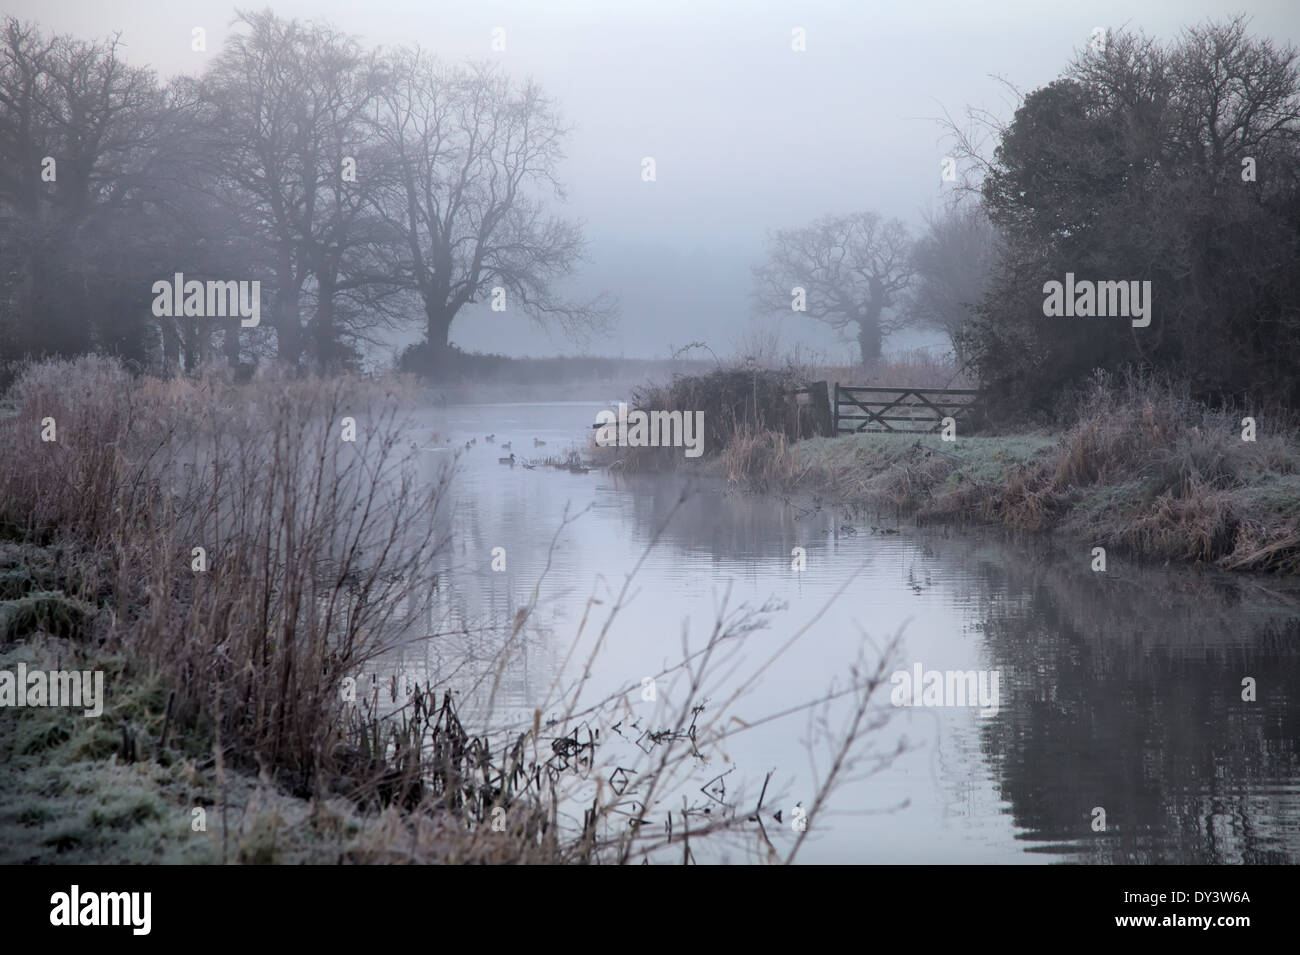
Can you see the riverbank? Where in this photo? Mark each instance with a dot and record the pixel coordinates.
(229, 559)
(1140, 470)
(245, 566)
(132, 784)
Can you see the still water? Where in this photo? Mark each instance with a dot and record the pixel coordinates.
(1119, 693)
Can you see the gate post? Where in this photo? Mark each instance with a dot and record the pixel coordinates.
(821, 408)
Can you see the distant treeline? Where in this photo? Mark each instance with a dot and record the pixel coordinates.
(360, 190)
(364, 191)
(451, 365)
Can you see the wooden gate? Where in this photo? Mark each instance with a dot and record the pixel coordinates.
(900, 410)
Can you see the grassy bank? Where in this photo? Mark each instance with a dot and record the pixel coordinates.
(1137, 468)
(112, 788)
(227, 561)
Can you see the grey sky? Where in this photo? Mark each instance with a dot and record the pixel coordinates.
(747, 134)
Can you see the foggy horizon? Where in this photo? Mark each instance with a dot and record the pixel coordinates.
(767, 138)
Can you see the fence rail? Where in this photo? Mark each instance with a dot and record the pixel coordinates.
(900, 410)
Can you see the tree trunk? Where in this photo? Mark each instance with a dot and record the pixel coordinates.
(869, 339)
(322, 339)
(230, 344)
(439, 329)
(190, 342)
(171, 345)
(288, 330)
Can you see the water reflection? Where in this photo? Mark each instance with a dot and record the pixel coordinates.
(1121, 691)
(1129, 693)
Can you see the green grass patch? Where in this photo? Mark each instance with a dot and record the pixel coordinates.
(49, 612)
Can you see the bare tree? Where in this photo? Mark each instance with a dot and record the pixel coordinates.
(972, 140)
(79, 132)
(294, 99)
(851, 269)
(953, 261)
(1236, 96)
(473, 155)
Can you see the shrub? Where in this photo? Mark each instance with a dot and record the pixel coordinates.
(736, 402)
